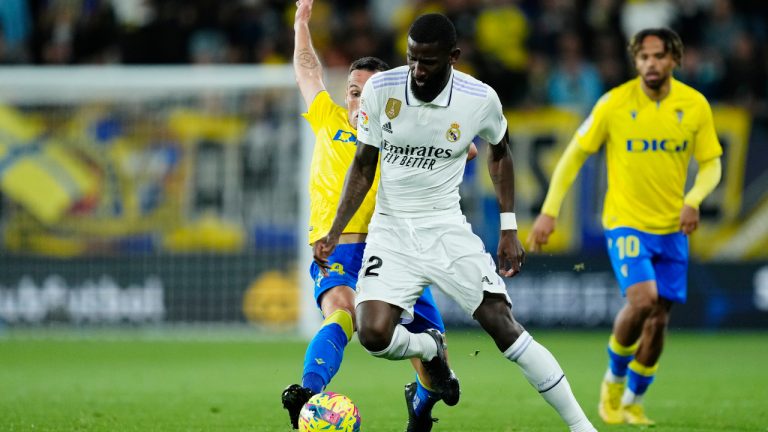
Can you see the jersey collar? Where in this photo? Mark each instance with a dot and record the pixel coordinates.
(443, 99)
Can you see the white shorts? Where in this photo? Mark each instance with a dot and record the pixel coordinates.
(402, 256)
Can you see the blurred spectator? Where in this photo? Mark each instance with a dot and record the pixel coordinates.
(208, 46)
(551, 19)
(574, 83)
(538, 81)
(360, 37)
(95, 34)
(691, 18)
(745, 78)
(639, 14)
(611, 59)
(530, 51)
(15, 29)
(723, 26)
(463, 14)
(501, 35)
(700, 71)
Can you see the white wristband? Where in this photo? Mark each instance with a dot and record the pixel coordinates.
(508, 221)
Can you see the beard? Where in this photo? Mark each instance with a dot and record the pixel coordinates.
(431, 87)
(655, 83)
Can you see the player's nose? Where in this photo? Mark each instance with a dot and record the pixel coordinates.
(419, 72)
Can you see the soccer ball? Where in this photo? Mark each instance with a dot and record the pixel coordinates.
(329, 412)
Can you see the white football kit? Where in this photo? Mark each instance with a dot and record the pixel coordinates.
(418, 235)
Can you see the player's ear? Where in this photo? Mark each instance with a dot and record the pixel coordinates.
(454, 56)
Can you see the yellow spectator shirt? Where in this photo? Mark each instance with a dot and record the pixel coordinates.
(335, 147)
(648, 147)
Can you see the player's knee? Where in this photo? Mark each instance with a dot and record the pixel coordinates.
(643, 305)
(657, 321)
(373, 338)
(338, 298)
(495, 316)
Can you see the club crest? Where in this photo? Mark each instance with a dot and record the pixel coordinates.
(453, 133)
(392, 109)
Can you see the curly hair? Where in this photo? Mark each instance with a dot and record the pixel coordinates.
(672, 42)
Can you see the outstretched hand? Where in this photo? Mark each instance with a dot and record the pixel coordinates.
(543, 227)
(322, 249)
(303, 11)
(511, 254)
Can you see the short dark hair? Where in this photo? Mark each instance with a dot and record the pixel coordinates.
(372, 64)
(433, 27)
(672, 42)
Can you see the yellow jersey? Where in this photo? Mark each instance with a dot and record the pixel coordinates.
(648, 147)
(335, 147)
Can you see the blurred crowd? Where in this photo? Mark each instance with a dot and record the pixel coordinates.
(534, 52)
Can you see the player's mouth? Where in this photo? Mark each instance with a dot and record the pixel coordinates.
(652, 75)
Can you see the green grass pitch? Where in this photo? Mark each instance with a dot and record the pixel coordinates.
(706, 382)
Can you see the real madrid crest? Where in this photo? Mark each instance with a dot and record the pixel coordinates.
(453, 134)
(392, 109)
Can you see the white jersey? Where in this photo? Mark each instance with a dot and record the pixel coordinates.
(424, 145)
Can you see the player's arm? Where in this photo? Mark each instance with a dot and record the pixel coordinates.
(587, 140)
(565, 174)
(501, 168)
(472, 153)
(356, 186)
(707, 178)
(306, 64)
(707, 153)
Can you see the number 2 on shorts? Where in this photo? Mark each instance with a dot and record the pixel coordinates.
(374, 262)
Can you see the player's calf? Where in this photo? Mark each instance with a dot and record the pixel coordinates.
(441, 375)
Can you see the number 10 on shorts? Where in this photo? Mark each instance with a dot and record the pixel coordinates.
(628, 246)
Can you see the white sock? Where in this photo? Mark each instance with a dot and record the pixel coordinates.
(544, 373)
(406, 345)
(629, 397)
(611, 378)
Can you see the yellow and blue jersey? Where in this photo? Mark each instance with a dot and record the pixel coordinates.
(335, 147)
(648, 147)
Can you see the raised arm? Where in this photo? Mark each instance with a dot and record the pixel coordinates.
(306, 64)
(357, 184)
(510, 253)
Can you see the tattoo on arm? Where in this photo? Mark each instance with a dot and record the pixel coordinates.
(307, 59)
(357, 184)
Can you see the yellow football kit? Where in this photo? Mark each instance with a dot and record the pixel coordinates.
(335, 147)
(648, 147)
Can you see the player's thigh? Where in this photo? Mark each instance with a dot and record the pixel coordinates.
(466, 271)
(426, 315)
(631, 257)
(344, 266)
(391, 277)
(672, 268)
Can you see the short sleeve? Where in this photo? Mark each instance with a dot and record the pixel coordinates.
(493, 124)
(593, 132)
(321, 109)
(368, 125)
(706, 144)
